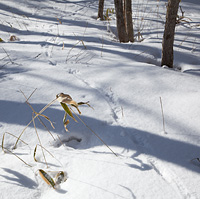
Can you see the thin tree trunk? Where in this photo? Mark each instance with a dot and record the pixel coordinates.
(121, 28)
(100, 10)
(129, 21)
(168, 37)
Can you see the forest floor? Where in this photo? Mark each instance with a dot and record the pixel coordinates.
(57, 46)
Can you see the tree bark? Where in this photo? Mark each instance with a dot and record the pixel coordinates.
(129, 21)
(168, 36)
(121, 28)
(100, 10)
(124, 12)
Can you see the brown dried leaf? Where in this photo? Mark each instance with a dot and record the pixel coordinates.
(13, 38)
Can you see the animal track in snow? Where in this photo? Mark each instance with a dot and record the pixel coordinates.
(71, 141)
(139, 141)
(171, 178)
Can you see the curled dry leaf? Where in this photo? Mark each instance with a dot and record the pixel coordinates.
(60, 177)
(13, 38)
(59, 21)
(47, 178)
(65, 124)
(65, 98)
(68, 111)
(34, 154)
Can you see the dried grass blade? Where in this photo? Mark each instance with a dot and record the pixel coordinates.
(72, 102)
(47, 118)
(35, 150)
(11, 135)
(47, 178)
(30, 94)
(47, 106)
(46, 150)
(95, 134)
(40, 120)
(68, 111)
(21, 134)
(76, 108)
(3, 143)
(35, 153)
(53, 101)
(65, 125)
(18, 157)
(85, 103)
(39, 140)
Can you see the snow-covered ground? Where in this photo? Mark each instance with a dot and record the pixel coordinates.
(60, 46)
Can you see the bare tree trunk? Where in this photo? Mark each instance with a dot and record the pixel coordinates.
(121, 28)
(100, 10)
(129, 21)
(124, 12)
(168, 37)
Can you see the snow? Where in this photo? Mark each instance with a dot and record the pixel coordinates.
(60, 46)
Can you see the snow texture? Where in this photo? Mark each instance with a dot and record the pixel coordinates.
(59, 46)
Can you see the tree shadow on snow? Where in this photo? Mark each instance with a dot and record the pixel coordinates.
(132, 54)
(125, 139)
(195, 72)
(139, 52)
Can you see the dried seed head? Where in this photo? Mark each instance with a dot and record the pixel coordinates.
(64, 98)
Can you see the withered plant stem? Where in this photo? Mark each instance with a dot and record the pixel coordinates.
(94, 133)
(32, 120)
(39, 140)
(162, 114)
(17, 157)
